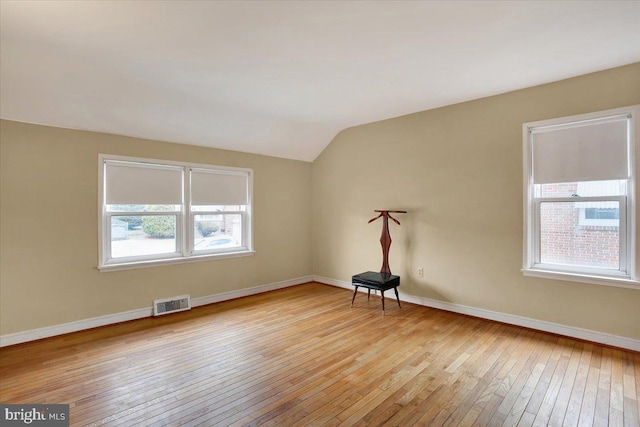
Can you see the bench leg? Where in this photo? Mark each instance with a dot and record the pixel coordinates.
(368, 294)
(354, 296)
(397, 297)
(382, 296)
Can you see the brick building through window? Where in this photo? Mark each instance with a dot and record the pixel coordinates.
(571, 233)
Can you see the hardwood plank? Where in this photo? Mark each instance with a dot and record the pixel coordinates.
(601, 416)
(526, 420)
(577, 393)
(549, 400)
(564, 394)
(636, 364)
(587, 410)
(488, 401)
(533, 377)
(472, 404)
(631, 413)
(539, 393)
(616, 405)
(301, 356)
(513, 384)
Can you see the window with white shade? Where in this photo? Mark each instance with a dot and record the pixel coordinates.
(219, 203)
(579, 208)
(163, 212)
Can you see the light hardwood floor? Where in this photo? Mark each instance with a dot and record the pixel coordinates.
(300, 356)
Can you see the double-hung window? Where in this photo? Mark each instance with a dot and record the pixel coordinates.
(154, 212)
(219, 206)
(579, 209)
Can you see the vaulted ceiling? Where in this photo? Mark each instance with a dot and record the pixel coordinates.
(282, 78)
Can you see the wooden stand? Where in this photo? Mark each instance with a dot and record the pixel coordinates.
(385, 238)
(384, 280)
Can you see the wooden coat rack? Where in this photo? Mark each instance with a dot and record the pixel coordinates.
(385, 238)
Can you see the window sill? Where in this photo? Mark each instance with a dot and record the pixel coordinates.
(169, 261)
(582, 278)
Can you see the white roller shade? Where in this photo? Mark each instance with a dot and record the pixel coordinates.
(141, 183)
(596, 151)
(210, 187)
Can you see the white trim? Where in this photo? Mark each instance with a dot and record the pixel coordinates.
(582, 119)
(163, 162)
(170, 261)
(109, 319)
(196, 302)
(541, 325)
(621, 282)
(65, 328)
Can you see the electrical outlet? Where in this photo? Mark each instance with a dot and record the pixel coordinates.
(421, 272)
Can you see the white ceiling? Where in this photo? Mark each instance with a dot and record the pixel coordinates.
(282, 78)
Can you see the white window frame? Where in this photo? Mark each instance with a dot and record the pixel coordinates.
(184, 220)
(626, 275)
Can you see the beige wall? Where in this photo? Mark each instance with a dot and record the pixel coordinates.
(458, 171)
(48, 228)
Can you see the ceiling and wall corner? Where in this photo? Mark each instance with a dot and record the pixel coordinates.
(282, 78)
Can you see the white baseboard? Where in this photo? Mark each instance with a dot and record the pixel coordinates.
(109, 319)
(65, 328)
(541, 325)
(225, 296)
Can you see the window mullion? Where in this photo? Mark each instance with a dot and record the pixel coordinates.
(578, 199)
(245, 236)
(143, 213)
(536, 232)
(107, 236)
(187, 225)
(623, 237)
(192, 232)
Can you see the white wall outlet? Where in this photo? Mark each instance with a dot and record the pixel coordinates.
(421, 272)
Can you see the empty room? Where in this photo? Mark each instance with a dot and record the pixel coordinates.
(319, 213)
